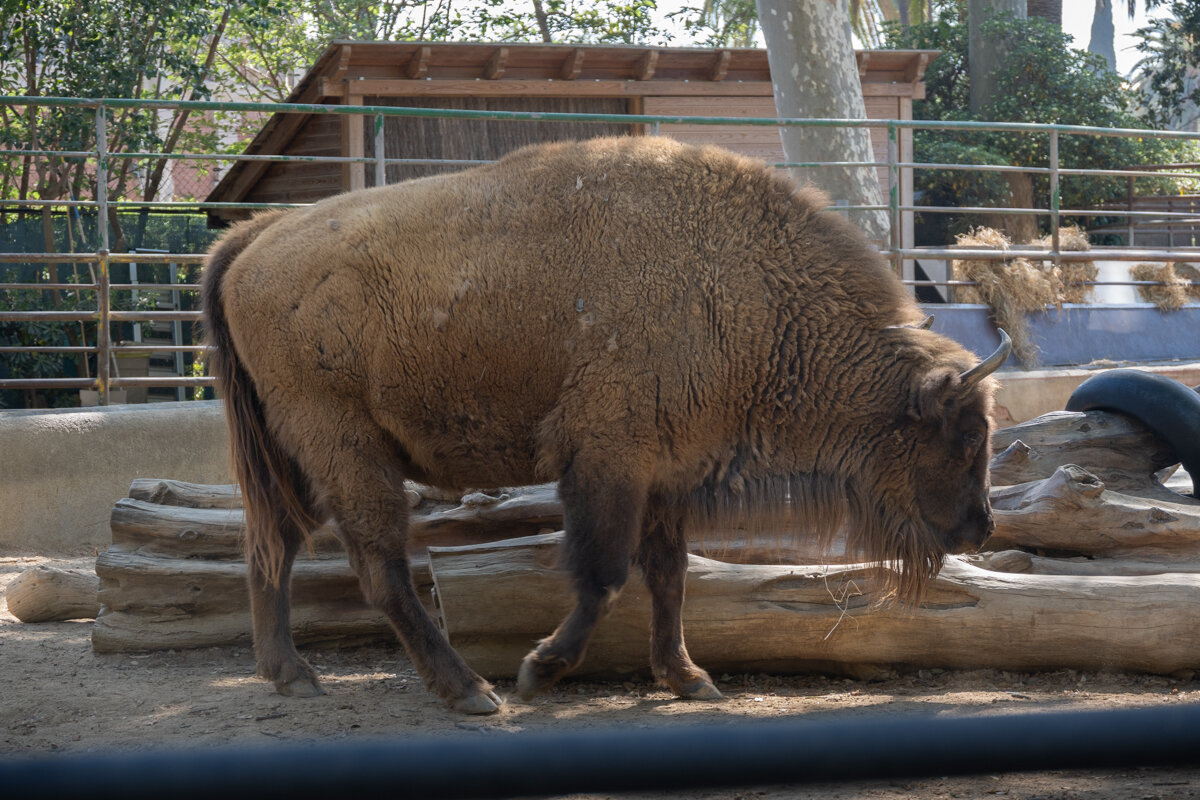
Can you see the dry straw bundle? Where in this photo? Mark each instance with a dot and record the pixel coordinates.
(1017, 286)
(1074, 275)
(1188, 272)
(1172, 294)
(1009, 288)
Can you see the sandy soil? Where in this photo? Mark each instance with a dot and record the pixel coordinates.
(58, 696)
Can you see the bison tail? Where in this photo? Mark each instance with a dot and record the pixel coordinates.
(275, 493)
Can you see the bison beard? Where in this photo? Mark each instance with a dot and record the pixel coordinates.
(672, 333)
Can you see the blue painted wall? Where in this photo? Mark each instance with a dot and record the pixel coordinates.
(1080, 334)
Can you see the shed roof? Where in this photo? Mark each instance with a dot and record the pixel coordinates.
(352, 69)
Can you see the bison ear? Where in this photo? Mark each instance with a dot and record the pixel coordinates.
(937, 394)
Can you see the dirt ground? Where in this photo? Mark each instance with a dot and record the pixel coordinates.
(57, 696)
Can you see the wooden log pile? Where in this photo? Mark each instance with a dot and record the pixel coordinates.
(174, 576)
(1094, 563)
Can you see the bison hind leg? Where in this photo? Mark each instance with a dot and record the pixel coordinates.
(359, 467)
(662, 556)
(270, 604)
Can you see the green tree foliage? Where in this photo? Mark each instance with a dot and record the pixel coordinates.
(87, 48)
(603, 22)
(734, 23)
(269, 48)
(1170, 65)
(1044, 80)
(720, 23)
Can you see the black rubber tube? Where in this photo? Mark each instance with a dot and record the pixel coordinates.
(800, 750)
(1168, 408)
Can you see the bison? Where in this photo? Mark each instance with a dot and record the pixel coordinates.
(670, 332)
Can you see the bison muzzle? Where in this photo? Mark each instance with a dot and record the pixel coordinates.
(672, 333)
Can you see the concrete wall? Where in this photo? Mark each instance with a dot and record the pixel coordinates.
(1025, 394)
(61, 471)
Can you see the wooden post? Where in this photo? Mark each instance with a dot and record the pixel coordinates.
(353, 136)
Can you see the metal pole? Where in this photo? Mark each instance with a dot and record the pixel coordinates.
(103, 333)
(1054, 196)
(893, 154)
(103, 300)
(176, 328)
(1129, 197)
(380, 164)
(102, 174)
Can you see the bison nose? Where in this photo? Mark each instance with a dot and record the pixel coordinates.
(986, 529)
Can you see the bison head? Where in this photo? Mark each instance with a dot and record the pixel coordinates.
(930, 473)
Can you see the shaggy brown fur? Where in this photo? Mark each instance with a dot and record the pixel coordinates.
(670, 332)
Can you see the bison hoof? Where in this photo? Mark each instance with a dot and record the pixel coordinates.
(539, 673)
(700, 690)
(303, 686)
(484, 702)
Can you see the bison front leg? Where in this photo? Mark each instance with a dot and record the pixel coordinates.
(663, 559)
(601, 517)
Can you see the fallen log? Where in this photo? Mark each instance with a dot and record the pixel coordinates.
(1119, 450)
(181, 493)
(154, 603)
(175, 576)
(1021, 562)
(496, 600)
(48, 594)
(1074, 511)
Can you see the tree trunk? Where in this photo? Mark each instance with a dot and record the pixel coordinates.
(986, 53)
(543, 21)
(1019, 228)
(814, 75)
(1049, 10)
(174, 576)
(1103, 33)
(179, 122)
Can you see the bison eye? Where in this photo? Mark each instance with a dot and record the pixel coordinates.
(973, 439)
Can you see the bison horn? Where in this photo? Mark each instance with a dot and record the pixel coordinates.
(990, 364)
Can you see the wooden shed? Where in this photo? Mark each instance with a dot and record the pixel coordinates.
(531, 77)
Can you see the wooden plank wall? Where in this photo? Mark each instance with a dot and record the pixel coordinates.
(299, 182)
(442, 138)
(1159, 234)
(755, 141)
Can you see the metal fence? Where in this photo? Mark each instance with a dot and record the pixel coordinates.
(103, 349)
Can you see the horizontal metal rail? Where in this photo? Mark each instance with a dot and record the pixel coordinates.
(1105, 254)
(100, 287)
(558, 116)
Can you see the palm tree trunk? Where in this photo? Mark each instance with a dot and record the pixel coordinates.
(986, 53)
(1103, 33)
